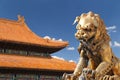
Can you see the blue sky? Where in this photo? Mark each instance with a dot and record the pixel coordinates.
(54, 18)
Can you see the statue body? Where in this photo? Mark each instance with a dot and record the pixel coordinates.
(97, 61)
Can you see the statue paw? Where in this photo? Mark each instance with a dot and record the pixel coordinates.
(68, 77)
(108, 77)
(89, 73)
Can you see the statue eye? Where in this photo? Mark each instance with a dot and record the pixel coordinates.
(90, 30)
(95, 27)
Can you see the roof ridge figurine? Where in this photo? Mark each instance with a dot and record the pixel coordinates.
(21, 19)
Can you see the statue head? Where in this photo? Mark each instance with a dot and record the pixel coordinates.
(90, 26)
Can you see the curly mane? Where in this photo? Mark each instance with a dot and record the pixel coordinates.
(101, 30)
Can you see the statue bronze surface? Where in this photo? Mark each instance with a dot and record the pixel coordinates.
(97, 61)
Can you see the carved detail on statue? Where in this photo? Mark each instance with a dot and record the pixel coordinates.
(97, 61)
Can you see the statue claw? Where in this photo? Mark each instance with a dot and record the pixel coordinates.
(108, 77)
(88, 73)
(68, 77)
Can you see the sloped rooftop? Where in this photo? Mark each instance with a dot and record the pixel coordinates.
(18, 32)
(27, 62)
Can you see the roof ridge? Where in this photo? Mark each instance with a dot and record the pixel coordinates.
(20, 20)
(21, 62)
(18, 31)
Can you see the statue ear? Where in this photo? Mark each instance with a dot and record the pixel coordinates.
(77, 19)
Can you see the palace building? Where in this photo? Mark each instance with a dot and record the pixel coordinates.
(27, 56)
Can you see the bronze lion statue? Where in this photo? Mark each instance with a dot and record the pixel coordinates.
(97, 61)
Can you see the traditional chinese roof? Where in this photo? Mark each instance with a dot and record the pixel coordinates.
(25, 62)
(13, 31)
